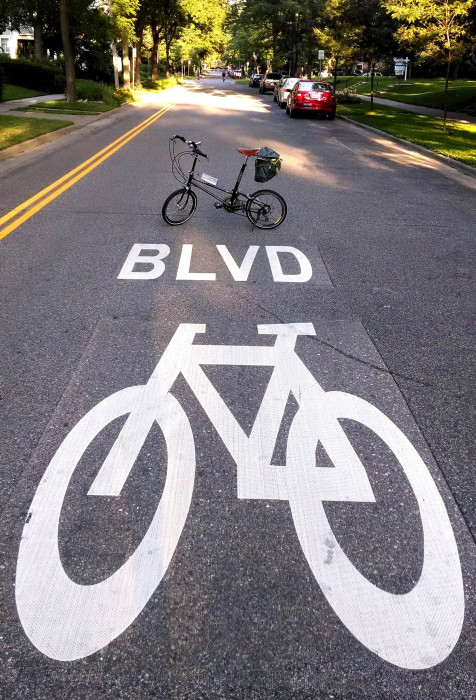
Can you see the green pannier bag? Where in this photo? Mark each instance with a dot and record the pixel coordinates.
(267, 164)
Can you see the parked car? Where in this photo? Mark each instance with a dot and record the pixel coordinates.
(277, 86)
(269, 81)
(283, 89)
(255, 79)
(311, 96)
(237, 73)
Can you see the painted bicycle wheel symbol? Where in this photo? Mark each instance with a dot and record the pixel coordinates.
(67, 621)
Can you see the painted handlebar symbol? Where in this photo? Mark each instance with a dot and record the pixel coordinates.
(68, 621)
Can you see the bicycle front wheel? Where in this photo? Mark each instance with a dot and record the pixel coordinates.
(266, 209)
(179, 207)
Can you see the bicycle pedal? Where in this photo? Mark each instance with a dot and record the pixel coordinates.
(218, 206)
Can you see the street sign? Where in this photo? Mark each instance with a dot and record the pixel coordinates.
(320, 55)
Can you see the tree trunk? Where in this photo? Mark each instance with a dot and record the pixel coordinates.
(155, 53)
(136, 76)
(454, 70)
(445, 110)
(372, 75)
(65, 8)
(167, 59)
(114, 65)
(126, 69)
(335, 73)
(37, 31)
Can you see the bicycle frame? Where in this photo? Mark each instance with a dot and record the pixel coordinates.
(235, 192)
(257, 478)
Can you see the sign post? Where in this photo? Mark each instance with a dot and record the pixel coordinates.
(320, 56)
(134, 55)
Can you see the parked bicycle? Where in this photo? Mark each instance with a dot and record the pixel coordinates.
(266, 209)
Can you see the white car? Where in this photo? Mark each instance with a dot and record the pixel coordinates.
(284, 90)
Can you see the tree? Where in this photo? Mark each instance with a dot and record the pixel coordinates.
(65, 11)
(339, 35)
(123, 15)
(435, 29)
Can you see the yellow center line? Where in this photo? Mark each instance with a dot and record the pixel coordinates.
(41, 199)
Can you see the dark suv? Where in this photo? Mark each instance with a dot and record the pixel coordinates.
(269, 81)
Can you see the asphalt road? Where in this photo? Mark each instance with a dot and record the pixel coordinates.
(232, 478)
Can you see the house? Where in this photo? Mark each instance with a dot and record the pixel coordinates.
(16, 44)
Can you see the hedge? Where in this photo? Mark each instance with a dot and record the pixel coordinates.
(41, 76)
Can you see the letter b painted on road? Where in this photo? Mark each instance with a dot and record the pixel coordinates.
(135, 258)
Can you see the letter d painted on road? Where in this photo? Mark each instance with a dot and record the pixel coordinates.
(135, 257)
(305, 273)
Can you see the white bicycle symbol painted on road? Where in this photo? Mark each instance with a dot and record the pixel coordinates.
(67, 621)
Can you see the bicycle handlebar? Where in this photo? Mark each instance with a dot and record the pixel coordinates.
(192, 145)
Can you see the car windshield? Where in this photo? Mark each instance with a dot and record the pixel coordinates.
(321, 86)
(290, 82)
(274, 76)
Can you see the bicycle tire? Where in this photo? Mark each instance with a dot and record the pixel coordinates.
(66, 620)
(257, 210)
(169, 208)
(414, 630)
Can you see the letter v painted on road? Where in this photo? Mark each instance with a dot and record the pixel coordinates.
(239, 273)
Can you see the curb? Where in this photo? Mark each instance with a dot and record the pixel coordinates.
(31, 144)
(451, 162)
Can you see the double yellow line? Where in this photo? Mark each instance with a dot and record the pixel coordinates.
(27, 209)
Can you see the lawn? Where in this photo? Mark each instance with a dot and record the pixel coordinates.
(15, 130)
(62, 107)
(419, 91)
(13, 92)
(458, 142)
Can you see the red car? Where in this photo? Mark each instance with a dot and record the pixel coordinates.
(311, 96)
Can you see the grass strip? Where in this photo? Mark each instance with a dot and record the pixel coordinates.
(14, 92)
(63, 107)
(15, 130)
(458, 142)
(417, 91)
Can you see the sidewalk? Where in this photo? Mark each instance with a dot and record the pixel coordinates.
(419, 109)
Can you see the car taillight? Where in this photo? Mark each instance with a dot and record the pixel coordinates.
(299, 96)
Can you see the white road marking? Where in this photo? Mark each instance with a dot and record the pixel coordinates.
(183, 271)
(128, 273)
(241, 273)
(67, 621)
(277, 271)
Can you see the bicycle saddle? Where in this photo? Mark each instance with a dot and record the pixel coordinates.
(248, 151)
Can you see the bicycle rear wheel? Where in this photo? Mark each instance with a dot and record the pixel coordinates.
(179, 207)
(266, 209)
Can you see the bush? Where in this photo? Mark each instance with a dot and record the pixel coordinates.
(42, 76)
(161, 84)
(95, 92)
(347, 97)
(2, 83)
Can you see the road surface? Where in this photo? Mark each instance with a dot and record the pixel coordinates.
(243, 466)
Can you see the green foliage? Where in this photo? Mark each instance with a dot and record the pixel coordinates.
(14, 92)
(36, 75)
(95, 92)
(15, 130)
(346, 97)
(458, 142)
(161, 84)
(434, 29)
